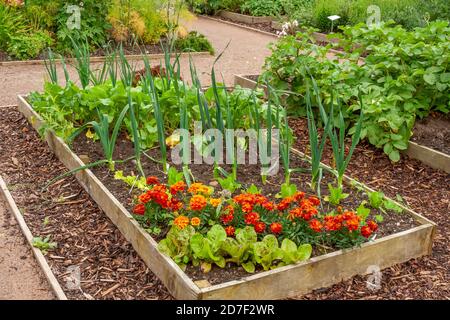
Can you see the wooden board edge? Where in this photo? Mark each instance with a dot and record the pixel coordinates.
(421, 234)
(239, 17)
(418, 217)
(42, 262)
(177, 282)
(431, 157)
(239, 26)
(131, 57)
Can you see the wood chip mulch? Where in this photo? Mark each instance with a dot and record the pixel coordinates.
(426, 191)
(111, 269)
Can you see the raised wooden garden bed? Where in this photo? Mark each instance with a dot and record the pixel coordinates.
(238, 17)
(433, 158)
(134, 57)
(288, 281)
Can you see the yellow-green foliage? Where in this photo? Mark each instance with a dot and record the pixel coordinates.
(136, 19)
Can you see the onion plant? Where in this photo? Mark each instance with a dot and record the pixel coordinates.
(150, 89)
(83, 62)
(316, 145)
(50, 65)
(135, 131)
(338, 142)
(101, 128)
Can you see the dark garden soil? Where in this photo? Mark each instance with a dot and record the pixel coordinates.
(425, 190)
(248, 174)
(110, 268)
(433, 132)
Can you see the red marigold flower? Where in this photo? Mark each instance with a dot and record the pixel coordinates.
(295, 213)
(139, 209)
(197, 202)
(179, 186)
(276, 227)
(226, 218)
(195, 221)
(251, 218)
(260, 227)
(268, 205)
(372, 225)
(366, 231)
(230, 231)
(181, 222)
(333, 223)
(299, 195)
(230, 209)
(314, 201)
(284, 204)
(175, 204)
(353, 223)
(145, 197)
(316, 225)
(152, 180)
(247, 207)
(348, 215)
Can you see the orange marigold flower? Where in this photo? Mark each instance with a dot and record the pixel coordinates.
(215, 202)
(260, 227)
(152, 180)
(316, 225)
(366, 231)
(195, 221)
(230, 231)
(139, 209)
(348, 215)
(276, 227)
(372, 225)
(179, 186)
(198, 187)
(251, 218)
(181, 222)
(197, 202)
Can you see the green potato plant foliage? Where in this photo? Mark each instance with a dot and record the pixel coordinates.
(401, 75)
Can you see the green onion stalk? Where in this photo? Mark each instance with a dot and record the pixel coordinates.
(338, 143)
(149, 87)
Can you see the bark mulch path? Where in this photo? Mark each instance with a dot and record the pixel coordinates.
(110, 268)
(425, 190)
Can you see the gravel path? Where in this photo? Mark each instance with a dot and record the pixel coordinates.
(245, 54)
(20, 277)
